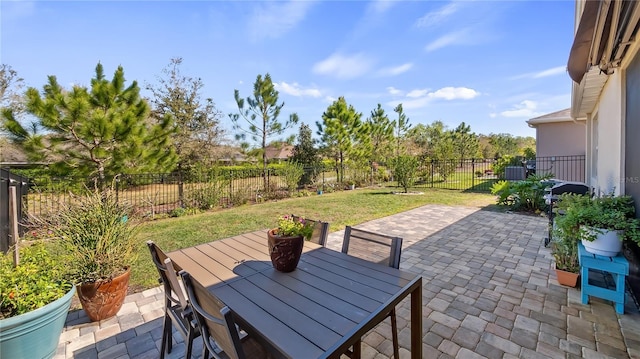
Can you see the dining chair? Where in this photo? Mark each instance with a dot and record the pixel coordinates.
(379, 248)
(220, 333)
(176, 309)
(320, 230)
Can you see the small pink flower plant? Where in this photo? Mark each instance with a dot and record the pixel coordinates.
(289, 227)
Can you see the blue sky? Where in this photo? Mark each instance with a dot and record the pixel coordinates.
(491, 64)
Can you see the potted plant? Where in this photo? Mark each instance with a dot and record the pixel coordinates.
(565, 254)
(286, 242)
(34, 301)
(99, 238)
(600, 223)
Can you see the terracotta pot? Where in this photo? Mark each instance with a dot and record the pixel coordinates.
(103, 299)
(567, 278)
(285, 252)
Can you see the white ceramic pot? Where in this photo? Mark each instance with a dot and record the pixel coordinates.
(607, 243)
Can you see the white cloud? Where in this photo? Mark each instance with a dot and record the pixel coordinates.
(417, 93)
(558, 70)
(454, 93)
(526, 108)
(330, 99)
(296, 90)
(550, 72)
(396, 70)
(419, 98)
(412, 104)
(438, 16)
(381, 6)
(343, 67)
(452, 38)
(394, 91)
(274, 19)
(493, 115)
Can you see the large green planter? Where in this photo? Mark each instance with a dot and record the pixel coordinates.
(35, 334)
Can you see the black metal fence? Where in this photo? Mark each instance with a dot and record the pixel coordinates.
(151, 194)
(7, 180)
(565, 168)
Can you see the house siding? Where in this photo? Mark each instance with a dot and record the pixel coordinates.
(560, 139)
(608, 156)
(632, 164)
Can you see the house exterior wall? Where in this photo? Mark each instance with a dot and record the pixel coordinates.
(560, 139)
(554, 141)
(606, 139)
(631, 157)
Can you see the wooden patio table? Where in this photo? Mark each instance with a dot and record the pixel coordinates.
(317, 311)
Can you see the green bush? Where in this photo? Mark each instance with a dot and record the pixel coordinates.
(178, 212)
(98, 237)
(292, 173)
(501, 164)
(36, 282)
(404, 171)
(526, 195)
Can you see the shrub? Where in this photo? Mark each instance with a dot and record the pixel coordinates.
(525, 195)
(404, 171)
(292, 173)
(37, 281)
(501, 164)
(178, 212)
(207, 195)
(98, 235)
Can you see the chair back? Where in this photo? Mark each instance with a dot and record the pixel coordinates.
(214, 318)
(320, 230)
(172, 290)
(372, 246)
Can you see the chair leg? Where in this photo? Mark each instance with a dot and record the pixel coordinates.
(357, 350)
(189, 344)
(394, 334)
(166, 337)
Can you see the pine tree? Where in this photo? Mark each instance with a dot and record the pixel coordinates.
(261, 116)
(339, 131)
(98, 131)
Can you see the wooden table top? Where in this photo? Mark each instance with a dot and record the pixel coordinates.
(316, 311)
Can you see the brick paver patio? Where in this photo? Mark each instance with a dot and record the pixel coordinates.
(489, 292)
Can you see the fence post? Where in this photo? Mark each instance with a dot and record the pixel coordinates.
(473, 172)
(117, 188)
(432, 173)
(13, 224)
(180, 190)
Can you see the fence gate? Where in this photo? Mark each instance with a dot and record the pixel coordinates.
(21, 183)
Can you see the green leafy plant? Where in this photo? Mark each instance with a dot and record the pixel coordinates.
(37, 281)
(98, 236)
(288, 226)
(292, 173)
(178, 212)
(526, 195)
(608, 212)
(405, 170)
(565, 255)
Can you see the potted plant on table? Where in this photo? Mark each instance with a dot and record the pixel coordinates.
(600, 223)
(99, 239)
(34, 301)
(287, 240)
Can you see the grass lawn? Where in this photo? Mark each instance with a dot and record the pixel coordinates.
(338, 208)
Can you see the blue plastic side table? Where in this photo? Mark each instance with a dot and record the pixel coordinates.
(617, 266)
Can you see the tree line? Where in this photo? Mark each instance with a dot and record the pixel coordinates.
(109, 128)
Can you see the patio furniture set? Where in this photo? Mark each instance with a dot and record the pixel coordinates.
(232, 296)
